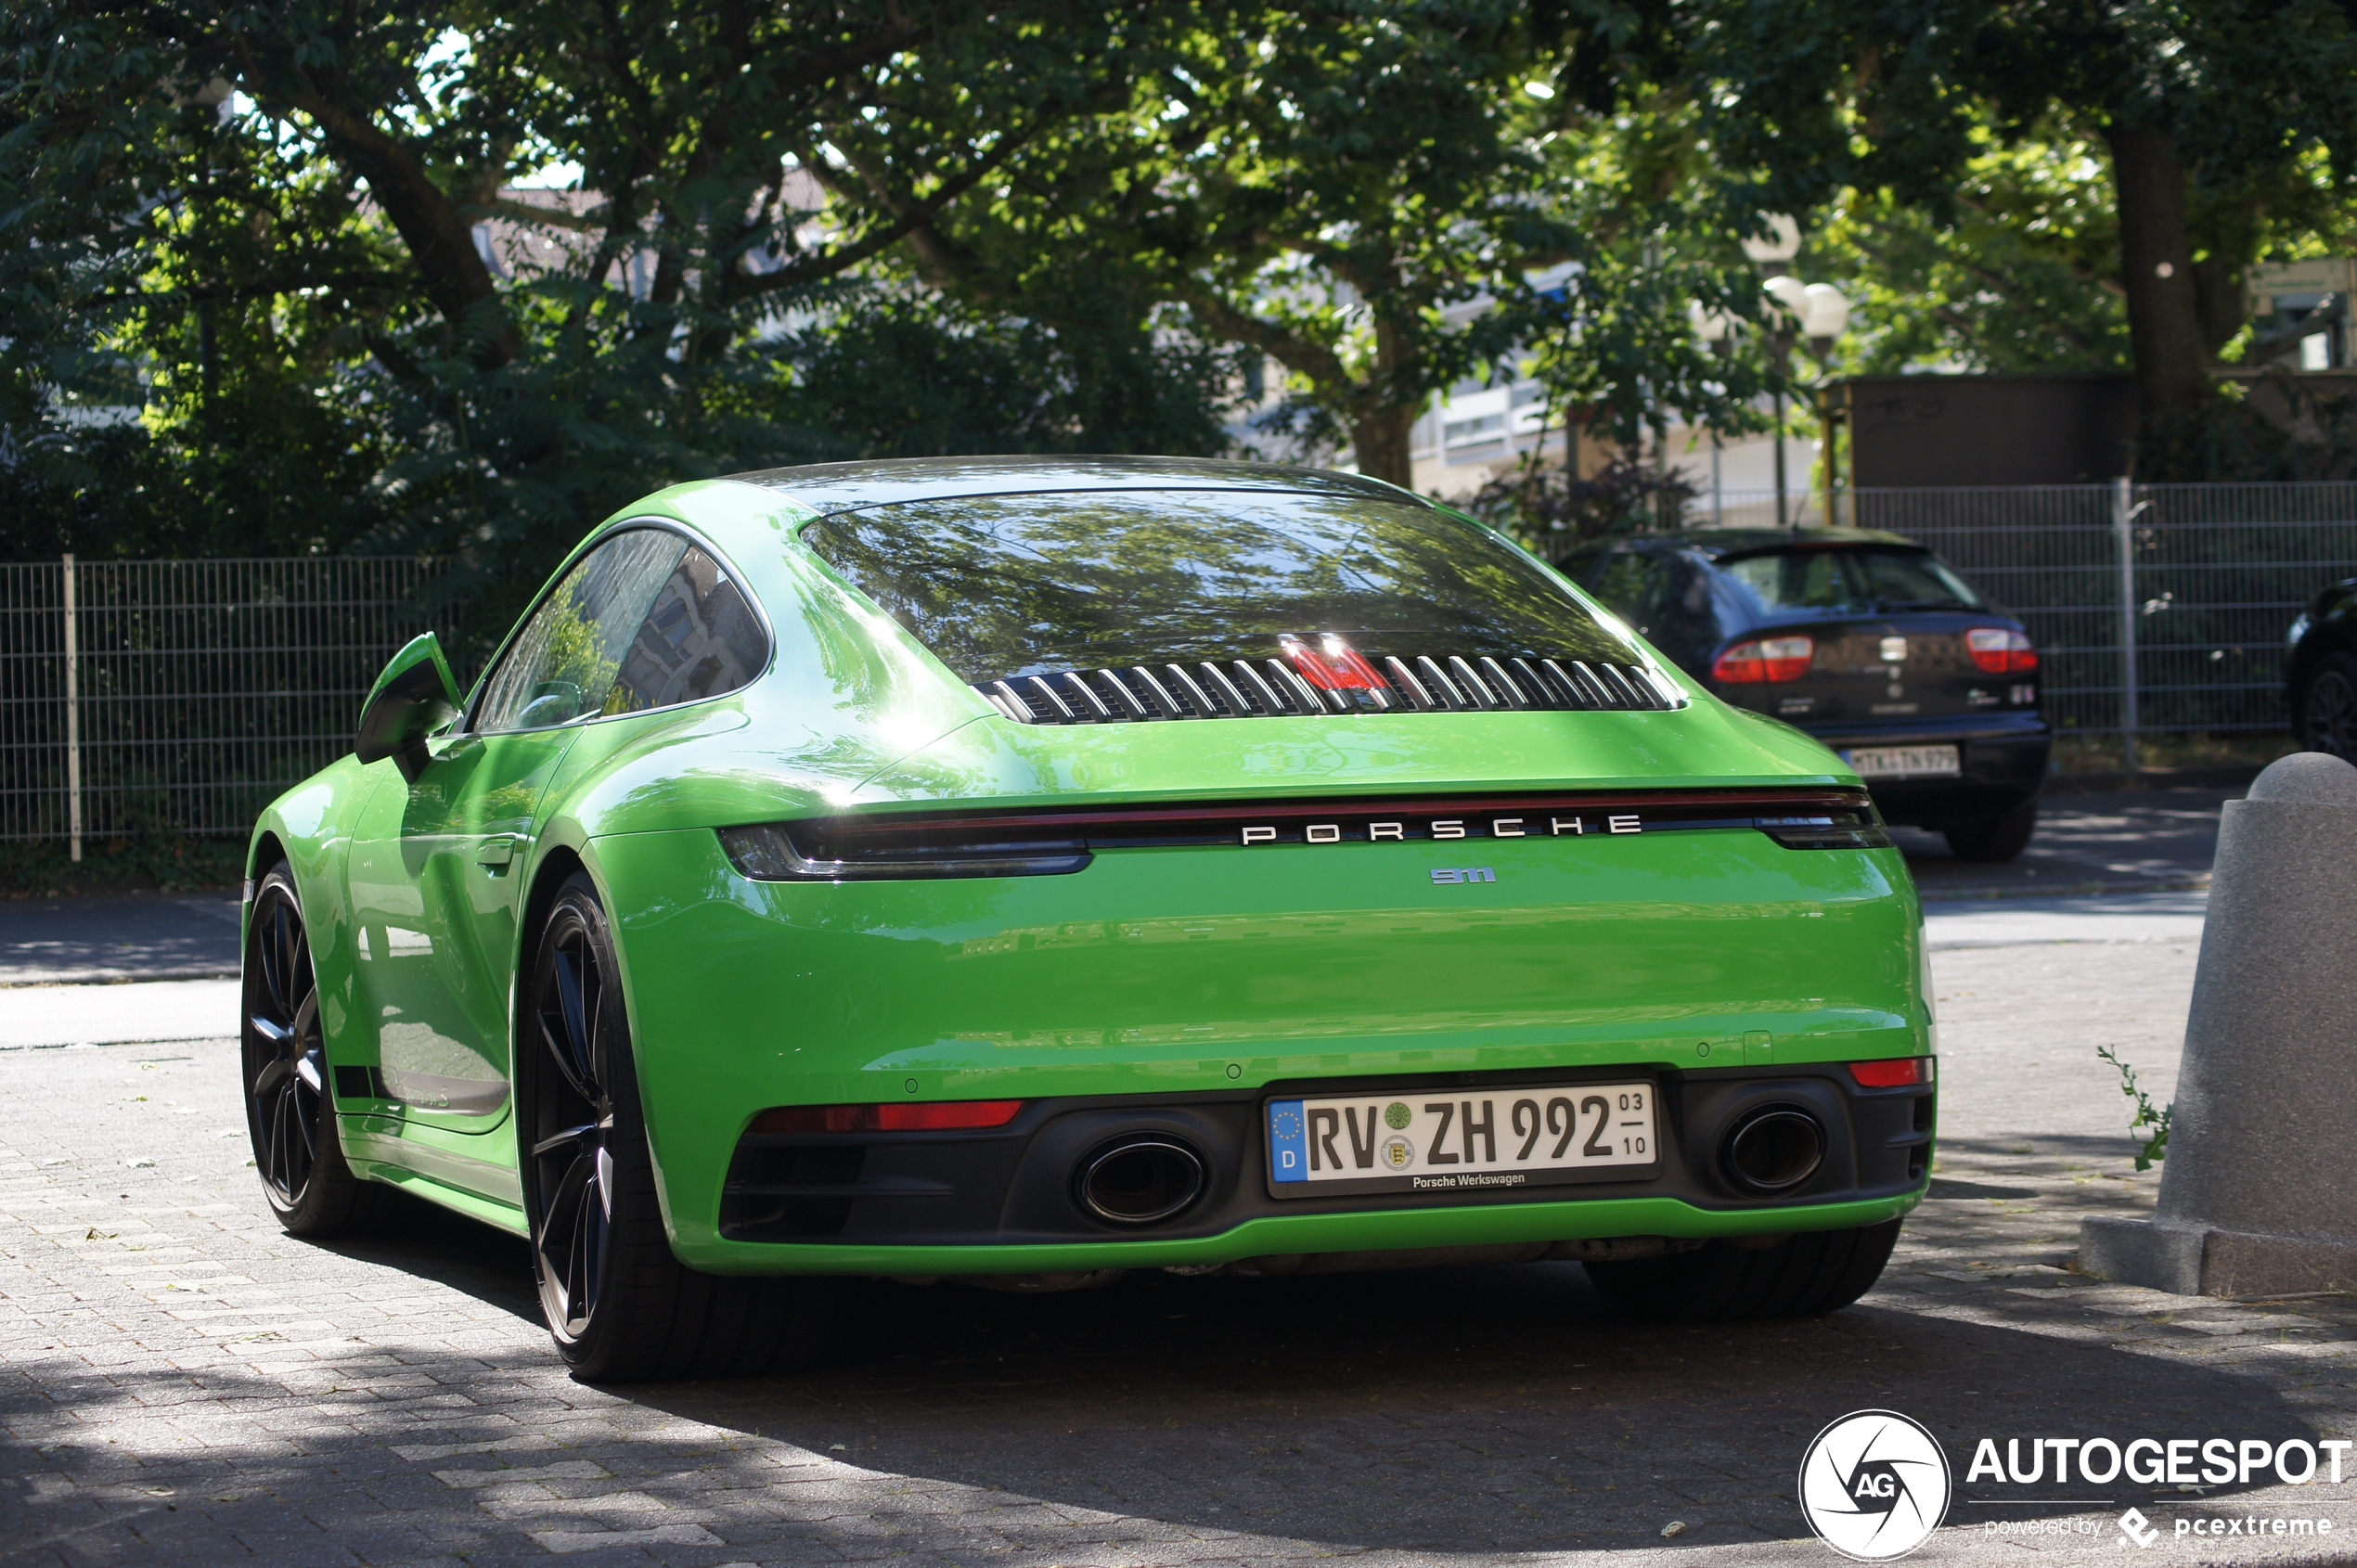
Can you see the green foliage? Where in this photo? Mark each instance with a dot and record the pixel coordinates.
(2225, 121)
(2155, 1148)
(286, 280)
(2020, 276)
(1550, 509)
(958, 380)
(811, 229)
(160, 861)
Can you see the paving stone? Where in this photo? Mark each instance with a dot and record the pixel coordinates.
(395, 1400)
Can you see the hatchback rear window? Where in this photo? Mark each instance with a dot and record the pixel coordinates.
(1005, 586)
(1848, 579)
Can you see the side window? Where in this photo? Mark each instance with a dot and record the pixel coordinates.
(699, 638)
(564, 662)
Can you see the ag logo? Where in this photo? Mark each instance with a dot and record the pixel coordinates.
(1874, 1485)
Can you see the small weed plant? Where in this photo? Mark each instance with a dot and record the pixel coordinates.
(2157, 1117)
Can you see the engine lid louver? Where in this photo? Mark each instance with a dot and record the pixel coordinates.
(1245, 689)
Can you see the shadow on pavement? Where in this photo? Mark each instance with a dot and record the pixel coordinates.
(1473, 1409)
(467, 1256)
(2111, 841)
(50, 940)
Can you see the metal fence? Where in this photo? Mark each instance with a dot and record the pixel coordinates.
(180, 697)
(2158, 608)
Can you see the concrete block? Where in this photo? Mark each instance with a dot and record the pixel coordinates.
(2260, 1194)
(2132, 1252)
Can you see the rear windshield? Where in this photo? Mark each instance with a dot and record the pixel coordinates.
(1850, 578)
(1005, 586)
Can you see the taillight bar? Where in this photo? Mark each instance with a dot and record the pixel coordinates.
(887, 846)
(934, 1116)
(1898, 1073)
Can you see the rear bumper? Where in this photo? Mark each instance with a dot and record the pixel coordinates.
(1002, 1201)
(2004, 760)
(1196, 981)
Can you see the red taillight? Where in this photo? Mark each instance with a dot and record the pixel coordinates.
(937, 1116)
(1764, 659)
(1894, 1075)
(1333, 665)
(1998, 650)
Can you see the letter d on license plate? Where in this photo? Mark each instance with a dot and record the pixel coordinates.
(1442, 1141)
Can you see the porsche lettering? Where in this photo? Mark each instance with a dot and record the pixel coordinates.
(1443, 828)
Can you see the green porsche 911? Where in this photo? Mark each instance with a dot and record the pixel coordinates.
(1024, 871)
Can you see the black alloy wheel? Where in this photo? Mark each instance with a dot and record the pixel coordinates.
(619, 1303)
(572, 1123)
(288, 1109)
(2328, 708)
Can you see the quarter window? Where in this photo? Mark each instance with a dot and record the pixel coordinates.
(699, 638)
(644, 621)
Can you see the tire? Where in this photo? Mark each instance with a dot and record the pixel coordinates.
(620, 1304)
(283, 1061)
(1803, 1276)
(2326, 715)
(2000, 838)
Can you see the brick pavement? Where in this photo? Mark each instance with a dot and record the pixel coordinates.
(180, 1383)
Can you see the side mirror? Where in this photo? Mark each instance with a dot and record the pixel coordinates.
(411, 700)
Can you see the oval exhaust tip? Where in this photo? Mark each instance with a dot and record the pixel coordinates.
(1140, 1181)
(1774, 1150)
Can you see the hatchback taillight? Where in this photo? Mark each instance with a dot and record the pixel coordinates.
(1764, 659)
(1998, 650)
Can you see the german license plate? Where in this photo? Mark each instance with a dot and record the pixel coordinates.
(1905, 761)
(1441, 1140)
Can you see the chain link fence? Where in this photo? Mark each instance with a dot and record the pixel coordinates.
(181, 696)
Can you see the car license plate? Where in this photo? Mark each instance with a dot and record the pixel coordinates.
(1441, 1140)
(1905, 761)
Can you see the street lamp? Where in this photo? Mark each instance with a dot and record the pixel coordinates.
(1779, 245)
(1813, 311)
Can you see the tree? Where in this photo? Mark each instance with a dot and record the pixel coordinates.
(2022, 274)
(289, 216)
(2202, 107)
(1362, 192)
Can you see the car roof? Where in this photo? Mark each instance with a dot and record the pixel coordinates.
(837, 487)
(1718, 542)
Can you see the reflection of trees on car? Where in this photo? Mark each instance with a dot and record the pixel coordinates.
(997, 588)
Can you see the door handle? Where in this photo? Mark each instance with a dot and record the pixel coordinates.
(496, 853)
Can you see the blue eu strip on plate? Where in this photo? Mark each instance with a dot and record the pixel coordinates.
(1288, 1143)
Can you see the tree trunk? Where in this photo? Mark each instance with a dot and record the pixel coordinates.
(1379, 443)
(2156, 269)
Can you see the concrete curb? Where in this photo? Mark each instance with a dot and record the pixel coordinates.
(2196, 1260)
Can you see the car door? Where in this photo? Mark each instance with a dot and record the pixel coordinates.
(435, 865)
